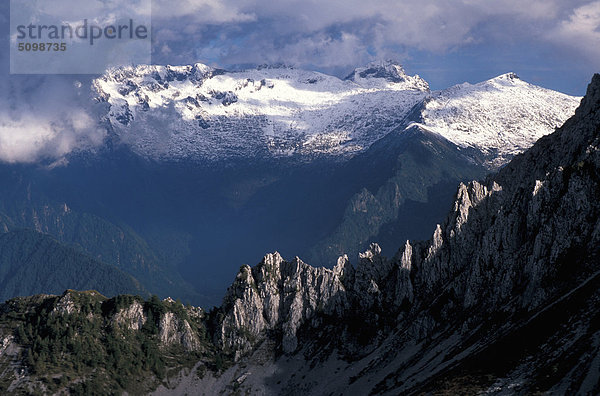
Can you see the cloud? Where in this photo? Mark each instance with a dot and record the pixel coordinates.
(28, 138)
(346, 32)
(44, 119)
(72, 10)
(581, 31)
(202, 11)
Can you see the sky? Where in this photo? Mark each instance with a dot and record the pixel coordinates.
(551, 43)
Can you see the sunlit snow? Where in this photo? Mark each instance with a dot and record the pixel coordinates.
(199, 112)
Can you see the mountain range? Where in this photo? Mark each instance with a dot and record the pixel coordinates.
(206, 114)
(501, 299)
(203, 170)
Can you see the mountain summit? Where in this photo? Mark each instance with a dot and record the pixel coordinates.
(388, 71)
(200, 113)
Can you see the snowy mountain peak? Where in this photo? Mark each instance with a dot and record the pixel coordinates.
(507, 79)
(162, 74)
(501, 117)
(386, 72)
(275, 66)
(507, 76)
(199, 112)
(390, 70)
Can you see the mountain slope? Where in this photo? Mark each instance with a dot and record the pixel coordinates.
(502, 297)
(113, 245)
(85, 343)
(32, 263)
(500, 117)
(421, 171)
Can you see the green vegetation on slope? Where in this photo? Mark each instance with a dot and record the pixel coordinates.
(115, 245)
(85, 343)
(32, 263)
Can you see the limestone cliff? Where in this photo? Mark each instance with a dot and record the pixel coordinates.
(513, 247)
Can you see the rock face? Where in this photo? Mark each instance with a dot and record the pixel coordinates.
(177, 331)
(514, 248)
(131, 317)
(278, 294)
(65, 305)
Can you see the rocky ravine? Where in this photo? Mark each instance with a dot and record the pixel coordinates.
(503, 299)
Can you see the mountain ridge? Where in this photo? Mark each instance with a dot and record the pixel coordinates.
(502, 298)
(513, 247)
(287, 112)
(32, 262)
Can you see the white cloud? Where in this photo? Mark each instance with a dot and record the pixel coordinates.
(581, 31)
(45, 118)
(73, 9)
(202, 11)
(30, 138)
(319, 32)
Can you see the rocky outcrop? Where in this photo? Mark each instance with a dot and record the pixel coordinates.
(173, 321)
(131, 317)
(124, 342)
(177, 331)
(65, 305)
(5, 342)
(278, 295)
(512, 246)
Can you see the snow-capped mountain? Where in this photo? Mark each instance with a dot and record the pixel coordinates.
(198, 112)
(501, 117)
